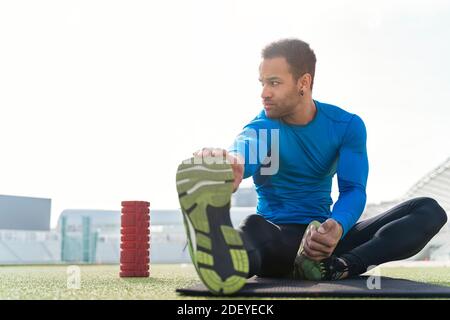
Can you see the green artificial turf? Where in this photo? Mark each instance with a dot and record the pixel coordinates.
(103, 282)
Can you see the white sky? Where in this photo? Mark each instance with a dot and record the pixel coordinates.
(100, 100)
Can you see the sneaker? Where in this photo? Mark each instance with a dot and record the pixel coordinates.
(331, 268)
(216, 248)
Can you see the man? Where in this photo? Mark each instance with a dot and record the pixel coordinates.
(294, 233)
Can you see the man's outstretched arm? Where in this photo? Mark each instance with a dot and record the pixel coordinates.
(352, 175)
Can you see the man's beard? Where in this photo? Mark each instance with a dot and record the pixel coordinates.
(279, 111)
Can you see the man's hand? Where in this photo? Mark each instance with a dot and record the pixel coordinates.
(321, 243)
(236, 161)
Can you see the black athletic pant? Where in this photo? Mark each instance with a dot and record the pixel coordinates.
(397, 234)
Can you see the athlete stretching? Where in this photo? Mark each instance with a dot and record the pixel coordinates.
(292, 149)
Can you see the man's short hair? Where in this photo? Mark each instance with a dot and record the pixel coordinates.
(298, 54)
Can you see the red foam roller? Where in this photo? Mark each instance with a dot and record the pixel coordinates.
(134, 245)
(133, 221)
(128, 221)
(135, 203)
(134, 253)
(126, 274)
(133, 259)
(139, 225)
(137, 210)
(134, 267)
(139, 230)
(135, 237)
(141, 234)
(136, 216)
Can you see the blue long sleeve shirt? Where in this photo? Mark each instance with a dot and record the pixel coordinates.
(293, 165)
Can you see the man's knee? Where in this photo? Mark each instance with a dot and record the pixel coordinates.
(255, 222)
(257, 229)
(436, 215)
(251, 219)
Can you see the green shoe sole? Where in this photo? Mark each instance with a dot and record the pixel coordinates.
(216, 248)
(305, 268)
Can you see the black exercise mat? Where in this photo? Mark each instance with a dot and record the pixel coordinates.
(355, 287)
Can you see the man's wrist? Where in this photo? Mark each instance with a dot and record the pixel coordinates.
(341, 228)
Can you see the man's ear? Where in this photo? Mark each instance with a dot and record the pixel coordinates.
(304, 81)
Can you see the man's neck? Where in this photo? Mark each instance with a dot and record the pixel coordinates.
(304, 113)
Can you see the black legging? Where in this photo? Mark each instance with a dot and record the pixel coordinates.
(397, 234)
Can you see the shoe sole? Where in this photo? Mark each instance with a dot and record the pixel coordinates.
(305, 268)
(216, 248)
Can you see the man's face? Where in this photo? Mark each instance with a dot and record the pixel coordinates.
(279, 93)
